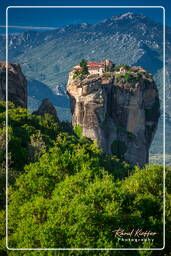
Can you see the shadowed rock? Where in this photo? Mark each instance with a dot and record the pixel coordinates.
(47, 107)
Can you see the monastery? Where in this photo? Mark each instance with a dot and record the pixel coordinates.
(98, 67)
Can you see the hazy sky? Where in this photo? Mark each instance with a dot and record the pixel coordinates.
(37, 18)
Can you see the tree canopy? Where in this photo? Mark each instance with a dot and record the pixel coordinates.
(83, 64)
(66, 193)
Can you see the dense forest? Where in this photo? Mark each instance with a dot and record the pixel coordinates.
(64, 192)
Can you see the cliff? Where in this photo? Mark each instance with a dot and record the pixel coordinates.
(119, 110)
(17, 84)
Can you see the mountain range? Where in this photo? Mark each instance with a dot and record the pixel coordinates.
(47, 57)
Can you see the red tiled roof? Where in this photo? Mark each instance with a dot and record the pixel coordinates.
(95, 66)
(92, 65)
(95, 63)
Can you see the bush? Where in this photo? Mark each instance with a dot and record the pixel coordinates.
(78, 131)
(129, 77)
(125, 66)
(77, 74)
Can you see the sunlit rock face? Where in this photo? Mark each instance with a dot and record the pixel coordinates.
(17, 84)
(118, 110)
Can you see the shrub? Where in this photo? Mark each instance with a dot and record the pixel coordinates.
(77, 74)
(129, 77)
(78, 131)
(126, 67)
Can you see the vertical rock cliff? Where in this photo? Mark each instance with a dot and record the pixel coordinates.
(17, 84)
(119, 110)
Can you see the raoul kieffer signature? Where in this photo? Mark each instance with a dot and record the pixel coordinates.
(133, 233)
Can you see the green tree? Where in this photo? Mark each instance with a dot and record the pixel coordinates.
(74, 195)
(67, 199)
(83, 65)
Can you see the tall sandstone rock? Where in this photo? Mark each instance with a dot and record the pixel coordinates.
(17, 84)
(119, 111)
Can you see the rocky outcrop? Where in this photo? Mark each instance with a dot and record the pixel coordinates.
(17, 84)
(119, 111)
(47, 107)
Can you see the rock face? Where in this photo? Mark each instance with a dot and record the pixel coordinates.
(17, 84)
(47, 107)
(118, 110)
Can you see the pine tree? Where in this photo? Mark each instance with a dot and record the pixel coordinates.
(83, 64)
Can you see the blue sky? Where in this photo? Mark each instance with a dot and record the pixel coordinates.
(23, 19)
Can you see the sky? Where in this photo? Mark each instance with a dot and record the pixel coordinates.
(21, 19)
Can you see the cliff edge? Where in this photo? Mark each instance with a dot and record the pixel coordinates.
(17, 84)
(119, 110)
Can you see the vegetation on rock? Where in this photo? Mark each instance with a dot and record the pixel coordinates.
(78, 131)
(83, 71)
(131, 76)
(83, 65)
